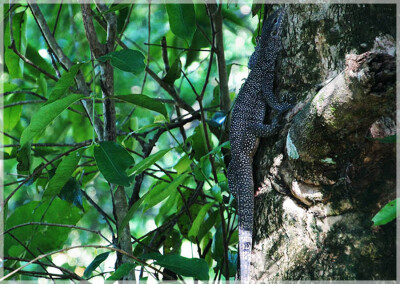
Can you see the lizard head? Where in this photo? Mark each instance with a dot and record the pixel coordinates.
(270, 41)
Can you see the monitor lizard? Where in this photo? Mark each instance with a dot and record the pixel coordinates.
(247, 127)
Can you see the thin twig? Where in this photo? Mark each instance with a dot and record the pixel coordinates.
(106, 217)
(24, 92)
(56, 225)
(57, 18)
(179, 48)
(21, 103)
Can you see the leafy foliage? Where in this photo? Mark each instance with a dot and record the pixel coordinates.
(36, 237)
(62, 179)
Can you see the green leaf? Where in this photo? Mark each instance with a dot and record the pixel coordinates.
(226, 144)
(63, 173)
(147, 162)
(162, 191)
(183, 164)
(198, 141)
(174, 73)
(63, 84)
(130, 213)
(169, 207)
(91, 172)
(24, 158)
(12, 115)
(216, 192)
(80, 124)
(72, 193)
(45, 115)
(122, 16)
(388, 213)
(42, 85)
(201, 35)
(145, 102)
(127, 60)
(203, 169)
(182, 20)
(95, 263)
(194, 230)
(232, 259)
(234, 238)
(33, 55)
(217, 247)
(208, 224)
(198, 42)
(190, 267)
(13, 62)
(123, 270)
(113, 160)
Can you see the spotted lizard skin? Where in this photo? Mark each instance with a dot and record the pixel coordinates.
(247, 127)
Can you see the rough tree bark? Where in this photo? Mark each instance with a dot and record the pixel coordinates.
(323, 178)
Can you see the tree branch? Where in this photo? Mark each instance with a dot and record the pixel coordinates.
(225, 101)
(67, 63)
(110, 132)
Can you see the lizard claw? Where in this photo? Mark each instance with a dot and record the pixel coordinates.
(284, 107)
(275, 123)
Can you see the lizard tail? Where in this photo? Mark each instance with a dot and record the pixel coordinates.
(246, 211)
(240, 180)
(245, 244)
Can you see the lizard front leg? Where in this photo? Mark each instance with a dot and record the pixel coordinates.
(271, 100)
(264, 130)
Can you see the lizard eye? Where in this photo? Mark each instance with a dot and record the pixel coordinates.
(275, 21)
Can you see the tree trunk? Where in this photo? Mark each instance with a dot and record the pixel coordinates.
(325, 176)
